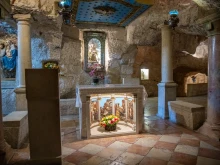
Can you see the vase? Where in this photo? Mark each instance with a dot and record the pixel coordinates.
(110, 127)
(95, 80)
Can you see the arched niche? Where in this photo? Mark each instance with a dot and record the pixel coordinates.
(94, 50)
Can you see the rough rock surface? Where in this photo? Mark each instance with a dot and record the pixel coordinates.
(52, 40)
(8, 101)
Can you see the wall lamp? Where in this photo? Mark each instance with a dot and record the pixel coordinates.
(174, 20)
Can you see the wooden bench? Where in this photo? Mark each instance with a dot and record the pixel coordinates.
(16, 128)
(187, 114)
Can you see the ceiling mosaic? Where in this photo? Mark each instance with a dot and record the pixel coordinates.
(108, 12)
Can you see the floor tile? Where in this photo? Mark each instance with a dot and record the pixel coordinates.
(146, 142)
(208, 146)
(186, 149)
(173, 163)
(96, 160)
(76, 145)
(137, 149)
(165, 145)
(183, 158)
(188, 136)
(91, 149)
(129, 158)
(116, 163)
(161, 154)
(129, 140)
(170, 139)
(110, 153)
(67, 151)
(67, 163)
(152, 161)
(77, 157)
(20, 157)
(190, 142)
(209, 153)
(121, 146)
(103, 142)
(207, 161)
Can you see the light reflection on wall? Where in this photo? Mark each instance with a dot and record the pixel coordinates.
(144, 74)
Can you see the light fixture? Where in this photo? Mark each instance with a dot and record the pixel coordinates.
(66, 10)
(174, 20)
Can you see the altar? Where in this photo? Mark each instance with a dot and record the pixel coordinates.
(98, 102)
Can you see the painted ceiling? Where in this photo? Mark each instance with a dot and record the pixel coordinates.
(108, 12)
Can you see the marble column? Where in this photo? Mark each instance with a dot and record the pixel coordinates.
(126, 107)
(212, 125)
(98, 106)
(113, 105)
(24, 58)
(166, 88)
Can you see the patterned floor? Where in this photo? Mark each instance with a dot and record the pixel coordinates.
(164, 143)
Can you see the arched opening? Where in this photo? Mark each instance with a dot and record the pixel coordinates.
(195, 84)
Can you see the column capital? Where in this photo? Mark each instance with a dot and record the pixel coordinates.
(22, 17)
(166, 27)
(212, 24)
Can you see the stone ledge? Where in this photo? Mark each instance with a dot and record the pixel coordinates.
(16, 128)
(15, 119)
(187, 114)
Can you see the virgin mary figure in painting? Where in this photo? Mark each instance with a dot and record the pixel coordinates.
(9, 61)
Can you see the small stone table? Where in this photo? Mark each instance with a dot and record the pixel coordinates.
(16, 128)
(83, 93)
(187, 114)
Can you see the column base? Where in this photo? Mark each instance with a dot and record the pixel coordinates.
(210, 131)
(21, 101)
(166, 92)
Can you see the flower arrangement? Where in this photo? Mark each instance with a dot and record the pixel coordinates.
(109, 121)
(95, 67)
(51, 65)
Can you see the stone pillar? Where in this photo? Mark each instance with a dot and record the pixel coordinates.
(134, 110)
(24, 58)
(113, 105)
(98, 106)
(126, 107)
(166, 88)
(212, 125)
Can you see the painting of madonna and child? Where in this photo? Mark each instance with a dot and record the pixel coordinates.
(119, 108)
(8, 56)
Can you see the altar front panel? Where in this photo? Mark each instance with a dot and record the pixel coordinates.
(124, 101)
(122, 105)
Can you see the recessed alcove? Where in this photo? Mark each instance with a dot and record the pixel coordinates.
(123, 105)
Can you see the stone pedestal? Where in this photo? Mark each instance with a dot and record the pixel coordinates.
(167, 88)
(212, 125)
(166, 92)
(24, 58)
(44, 116)
(16, 128)
(21, 101)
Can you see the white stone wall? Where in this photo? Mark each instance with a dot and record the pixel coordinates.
(8, 101)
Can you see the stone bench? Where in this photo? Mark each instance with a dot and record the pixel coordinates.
(16, 128)
(187, 114)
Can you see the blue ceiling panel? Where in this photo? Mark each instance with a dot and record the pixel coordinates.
(115, 12)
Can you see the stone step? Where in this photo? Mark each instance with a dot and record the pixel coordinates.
(67, 107)
(69, 121)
